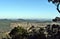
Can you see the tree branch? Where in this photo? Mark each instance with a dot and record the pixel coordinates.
(58, 8)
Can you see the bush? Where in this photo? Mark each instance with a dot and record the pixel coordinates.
(18, 33)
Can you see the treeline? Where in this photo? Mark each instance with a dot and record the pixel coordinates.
(49, 32)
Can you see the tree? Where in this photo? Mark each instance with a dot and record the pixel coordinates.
(39, 34)
(18, 33)
(57, 3)
(54, 20)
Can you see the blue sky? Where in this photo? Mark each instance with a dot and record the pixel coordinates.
(27, 9)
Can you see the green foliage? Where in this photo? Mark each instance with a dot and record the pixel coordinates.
(18, 32)
(54, 1)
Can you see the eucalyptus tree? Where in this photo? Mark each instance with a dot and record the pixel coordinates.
(57, 3)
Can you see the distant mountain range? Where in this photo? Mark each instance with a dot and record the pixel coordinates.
(27, 20)
(5, 23)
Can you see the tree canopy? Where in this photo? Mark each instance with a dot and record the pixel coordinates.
(56, 2)
(18, 33)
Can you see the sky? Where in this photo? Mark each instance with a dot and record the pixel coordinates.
(27, 9)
